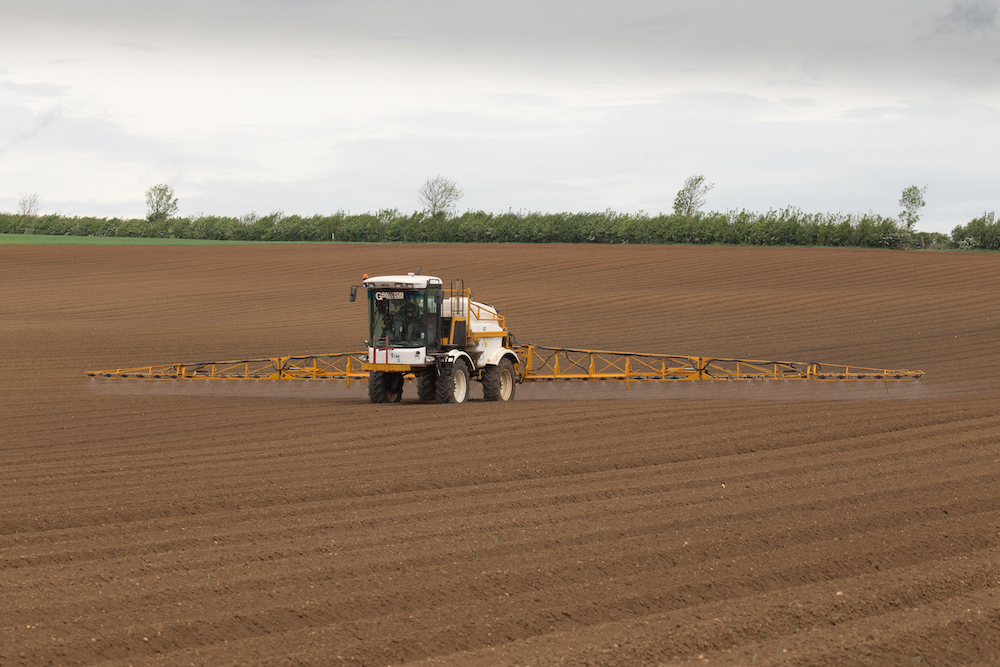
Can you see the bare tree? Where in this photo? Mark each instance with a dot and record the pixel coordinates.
(29, 204)
(439, 195)
(160, 202)
(692, 196)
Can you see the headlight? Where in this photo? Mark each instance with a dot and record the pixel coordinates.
(364, 358)
(429, 358)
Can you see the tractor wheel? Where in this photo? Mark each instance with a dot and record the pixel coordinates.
(385, 387)
(427, 386)
(499, 381)
(453, 386)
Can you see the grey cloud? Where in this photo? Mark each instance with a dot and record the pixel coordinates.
(662, 24)
(969, 16)
(64, 61)
(136, 46)
(392, 37)
(800, 102)
(556, 36)
(33, 89)
(874, 113)
(39, 123)
(56, 132)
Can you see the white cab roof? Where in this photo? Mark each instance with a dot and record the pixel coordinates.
(409, 281)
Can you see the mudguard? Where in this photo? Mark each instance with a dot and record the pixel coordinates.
(498, 354)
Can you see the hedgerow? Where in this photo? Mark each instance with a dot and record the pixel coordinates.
(789, 226)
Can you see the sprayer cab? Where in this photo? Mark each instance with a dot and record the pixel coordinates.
(438, 335)
(403, 318)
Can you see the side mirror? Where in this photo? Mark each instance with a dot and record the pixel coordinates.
(354, 293)
(439, 296)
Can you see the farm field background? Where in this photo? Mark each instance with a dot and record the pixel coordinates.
(303, 525)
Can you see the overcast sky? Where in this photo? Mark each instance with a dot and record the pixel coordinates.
(310, 106)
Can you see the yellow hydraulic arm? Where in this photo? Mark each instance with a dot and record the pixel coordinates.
(567, 364)
(537, 364)
(337, 366)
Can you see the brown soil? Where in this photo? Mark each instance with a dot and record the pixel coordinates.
(824, 525)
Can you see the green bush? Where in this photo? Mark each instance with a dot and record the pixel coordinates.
(982, 232)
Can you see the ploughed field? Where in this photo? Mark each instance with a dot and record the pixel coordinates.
(237, 524)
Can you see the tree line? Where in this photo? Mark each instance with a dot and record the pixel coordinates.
(789, 226)
(437, 223)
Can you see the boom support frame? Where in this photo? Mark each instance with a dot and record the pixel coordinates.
(336, 366)
(543, 364)
(537, 364)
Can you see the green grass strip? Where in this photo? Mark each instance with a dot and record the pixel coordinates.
(46, 239)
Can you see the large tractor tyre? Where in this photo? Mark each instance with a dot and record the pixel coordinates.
(499, 381)
(427, 386)
(453, 386)
(385, 387)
